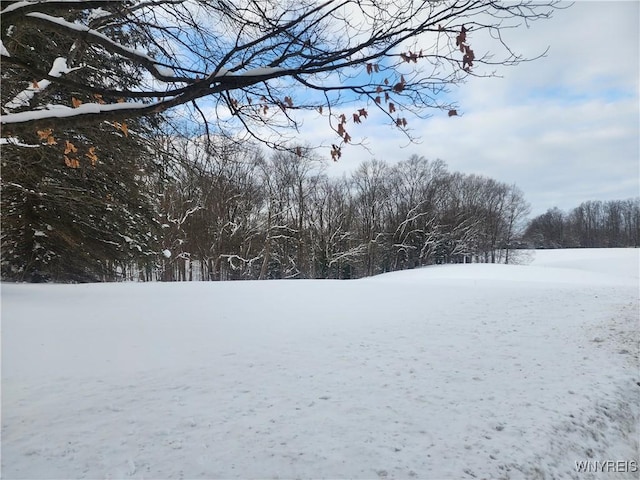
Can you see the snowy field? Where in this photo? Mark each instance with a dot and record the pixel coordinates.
(447, 372)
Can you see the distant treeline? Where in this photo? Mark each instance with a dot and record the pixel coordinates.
(593, 224)
(178, 209)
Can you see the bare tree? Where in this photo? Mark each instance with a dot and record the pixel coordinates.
(247, 67)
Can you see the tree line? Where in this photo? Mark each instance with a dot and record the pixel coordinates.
(592, 224)
(229, 212)
(240, 215)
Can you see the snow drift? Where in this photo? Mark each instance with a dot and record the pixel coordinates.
(463, 371)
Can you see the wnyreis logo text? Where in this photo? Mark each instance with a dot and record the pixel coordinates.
(608, 466)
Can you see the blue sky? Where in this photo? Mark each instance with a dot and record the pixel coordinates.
(564, 128)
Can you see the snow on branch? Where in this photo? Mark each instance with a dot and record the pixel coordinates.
(23, 98)
(62, 111)
(89, 34)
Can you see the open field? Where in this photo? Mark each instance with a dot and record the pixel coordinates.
(457, 371)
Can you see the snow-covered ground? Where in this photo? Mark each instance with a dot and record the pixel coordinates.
(460, 371)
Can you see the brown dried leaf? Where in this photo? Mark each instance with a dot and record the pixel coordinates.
(70, 148)
(356, 118)
(461, 38)
(91, 155)
(336, 153)
(71, 162)
(392, 108)
(75, 102)
(453, 113)
(43, 134)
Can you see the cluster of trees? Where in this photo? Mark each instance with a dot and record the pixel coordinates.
(615, 223)
(227, 212)
(239, 214)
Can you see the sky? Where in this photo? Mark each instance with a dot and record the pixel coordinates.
(563, 128)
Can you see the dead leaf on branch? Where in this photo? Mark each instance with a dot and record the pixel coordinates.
(336, 152)
(453, 113)
(122, 127)
(411, 56)
(461, 38)
(91, 155)
(71, 162)
(75, 102)
(70, 148)
(468, 58)
(47, 134)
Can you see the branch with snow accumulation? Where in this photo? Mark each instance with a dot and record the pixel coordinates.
(254, 64)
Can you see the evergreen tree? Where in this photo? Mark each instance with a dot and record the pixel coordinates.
(75, 205)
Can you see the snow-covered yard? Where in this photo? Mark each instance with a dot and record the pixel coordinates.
(459, 371)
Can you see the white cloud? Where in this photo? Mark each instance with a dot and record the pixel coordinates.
(564, 128)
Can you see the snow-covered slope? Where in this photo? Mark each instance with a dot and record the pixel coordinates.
(463, 371)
